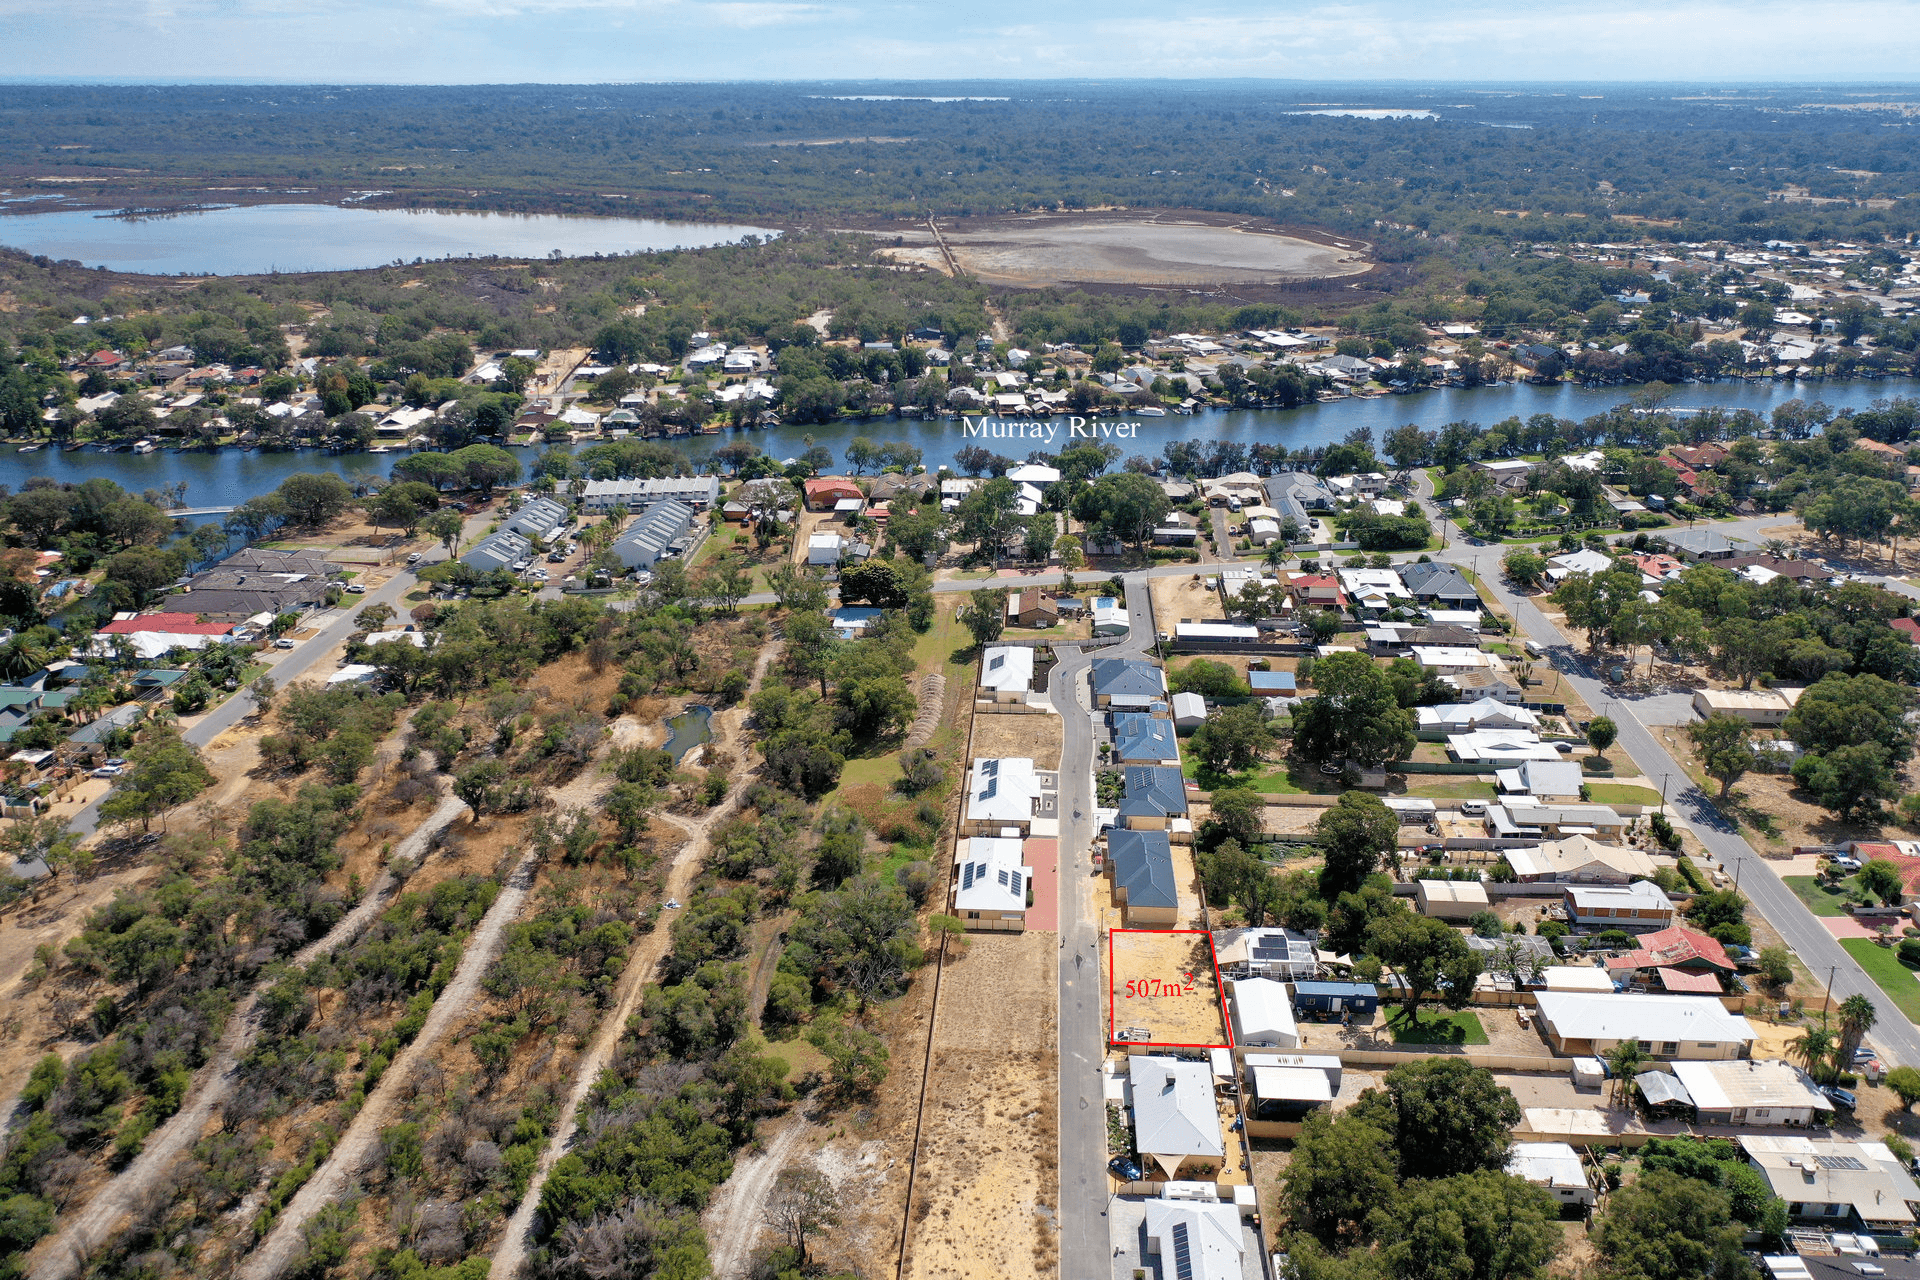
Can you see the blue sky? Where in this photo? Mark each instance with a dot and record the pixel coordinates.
(598, 41)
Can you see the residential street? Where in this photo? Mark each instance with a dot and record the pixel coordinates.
(1085, 1250)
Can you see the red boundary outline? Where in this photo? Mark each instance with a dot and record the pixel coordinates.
(1219, 992)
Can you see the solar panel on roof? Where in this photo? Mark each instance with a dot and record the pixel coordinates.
(1003, 877)
(993, 789)
(991, 768)
(1019, 891)
(966, 876)
(997, 663)
(1182, 1255)
(1842, 1162)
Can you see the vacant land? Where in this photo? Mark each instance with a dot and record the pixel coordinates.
(984, 1196)
(1164, 982)
(1036, 737)
(1434, 1028)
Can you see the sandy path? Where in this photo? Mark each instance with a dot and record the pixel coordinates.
(59, 1255)
(733, 1218)
(511, 1252)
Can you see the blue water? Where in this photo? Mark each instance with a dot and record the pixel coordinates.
(230, 476)
(261, 238)
(688, 730)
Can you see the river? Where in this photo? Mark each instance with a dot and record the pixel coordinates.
(230, 476)
(262, 238)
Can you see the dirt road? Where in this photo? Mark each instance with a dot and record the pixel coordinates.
(58, 1256)
(733, 1218)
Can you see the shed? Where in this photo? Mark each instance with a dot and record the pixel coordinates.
(1325, 1001)
(1450, 899)
(1553, 1166)
(1568, 977)
(1263, 1014)
(1189, 711)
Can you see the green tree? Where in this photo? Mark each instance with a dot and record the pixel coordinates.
(1905, 1083)
(444, 527)
(1232, 738)
(1813, 1049)
(315, 501)
(1238, 814)
(1127, 506)
(1882, 879)
(856, 1057)
(1355, 714)
(1849, 781)
(1428, 956)
(1857, 1016)
(164, 771)
(1473, 1226)
(1447, 1117)
(1663, 1226)
(1208, 678)
(986, 614)
(1721, 743)
(1342, 1172)
(1601, 734)
(1357, 832)
(1593, 602)
(1524, 568)
(486, 466)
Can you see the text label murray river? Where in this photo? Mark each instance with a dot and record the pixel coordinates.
(1081, 428)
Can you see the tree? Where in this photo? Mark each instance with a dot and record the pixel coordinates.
(986, 615)
(1448, 1117)
(1127, 506)
(856, 1056)
(140, 572)
(1663, 1226)
(485, 466)
(1601, 734)
(803, 1204)
(1814, 1051)
(1593, 602)
(1905, 1083)
(1209, 679)
(1354, 714)
(1238, 814)
(1428, 956)
(1342, 1172)
(1233, 738)
(1721, 743)
(164, 770)
(1848, 781)
(1776, 966)
(444, 527)
(1882, 879)
(1840, 711)
(392, 506)
(1474, 1226)
(44, 838)
(1356, 832)
(1857, 1016)
(877, 582)
(314, 501)
(1524, 568)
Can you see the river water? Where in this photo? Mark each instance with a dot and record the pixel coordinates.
(262, 238)
(229, 476)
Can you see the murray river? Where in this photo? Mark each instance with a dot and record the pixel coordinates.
(230, 476)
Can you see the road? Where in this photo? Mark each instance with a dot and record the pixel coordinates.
(296, 663)
(1085, 1251)
(1893, 1034)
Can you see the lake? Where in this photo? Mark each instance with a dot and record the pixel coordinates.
(262, 238)
(229, 476)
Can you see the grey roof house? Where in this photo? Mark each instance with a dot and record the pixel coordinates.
(1295, 494)
(1143, 875)
(1127, 682)
(1153, 792)
(539, 521)
(1139, 738)
(1437, 583)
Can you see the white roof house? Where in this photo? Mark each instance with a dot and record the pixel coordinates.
(1751, 1092)
(824, 548)
(1579, 1023)
(1007, 668)
(1507, 746)
(1002, 792)
(1450, 899)
(1263, 1014)
(418, 639)
(1174, 1119)
(1196, 1239)
(1583, 561)
(1483, 713)
(1451, 660)
(1542, 778)
(992, 876)
(1580, 859)
(1555, 1166)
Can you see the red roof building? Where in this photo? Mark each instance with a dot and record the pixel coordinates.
(1700, 455)
(823, 491)
(1318, 588)
(1908, 628)
(102, 360)
(1678, 948)
(177, 624)
(1681, 472)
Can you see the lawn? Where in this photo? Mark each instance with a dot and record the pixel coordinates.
(1458, 1028)
(1622, 793)
(1276, 779)
(1450, 788)
(1820, 899)
(1884, 967)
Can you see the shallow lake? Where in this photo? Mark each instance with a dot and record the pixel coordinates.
(230, 476)
(255, 239)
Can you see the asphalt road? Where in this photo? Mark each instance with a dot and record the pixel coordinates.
(296, 663)
(1085, 1250)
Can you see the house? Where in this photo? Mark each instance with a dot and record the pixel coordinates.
(1271, 683)
(1465, 717)
(1030, 608)
(1196, 1239)
(1504, 469)
(1296, 495)
(1499, 746)
(1140, 866)
(1434, 583)
(1752, 567)
(1127, 682)
(1217, 632)
(1498, 685)
(1108, 615)
(824, 493)
(1585, 560)
(152, 634)
(1587, 1024)
(501, 550)
(1762, 708)
(1575, 977)
(660, 532)
(992, 883)
(1450, 899)
(1542, 779)
(1175, 1124)
(1554, 1166)
(1639, 905)
(1139, 738)
(1189, 711)
(1003, 797)
(1453, 660)
(1337, 1001)
(1279, 954)
(1316, 590)
(1704, 544)
(1765, 1092)
(1374, 590)
(1656, 568)
(1262, 532)
(1832, 1180)
(1006, 672)
(702, 493)
(1176, 529)
(1287, 1087)
(825, 548)
(1700, 456)
(1677, 950)
(542, 521)
(1579, 860)
(256, 581)
(1154, 799)
(1563, 819)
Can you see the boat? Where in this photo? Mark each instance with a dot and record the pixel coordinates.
(143, 446)
(379, 448)
(1151, 411)
(28, 448)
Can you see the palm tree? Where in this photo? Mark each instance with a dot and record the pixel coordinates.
(1814, 1050)
(21, 657)
(1625, 1060)
(1857, 1016)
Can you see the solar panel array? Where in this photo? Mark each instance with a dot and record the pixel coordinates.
(993, 789)
(1854, 1163)
(966, 876)
(1182, 1254)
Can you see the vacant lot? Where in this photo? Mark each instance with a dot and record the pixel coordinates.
(1182, 598)
(1036, 737)
(1165, 983)
(984, 1195)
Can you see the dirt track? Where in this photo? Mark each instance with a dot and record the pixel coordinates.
(733, 1219)
(58, 1256)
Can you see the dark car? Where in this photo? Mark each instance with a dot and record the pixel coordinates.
(1841, 1098)
(1125, 1169)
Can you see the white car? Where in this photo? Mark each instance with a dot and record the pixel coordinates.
(283, 643)
(355, 589)
(1473, 807)
(107, 771)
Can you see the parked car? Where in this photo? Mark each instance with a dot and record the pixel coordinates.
(1863, 1055)
(283, 643)
(355, 589)
(1474, 807)
(107, 771)
(556, 557)
(413, 557)
(114, 760)
(1842, 1098)
(1125, 1169)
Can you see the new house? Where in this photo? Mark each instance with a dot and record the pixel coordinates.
(1006, 672)
(1127, 682)
(598, 497)
(1140, 865)
(542, 521)
(1139, 738)
(1175, 1124)
(1196, 1239)
(501, 550)
(1003, 797)
(1440, 585)
(660, 531)
(1154, 798)
(991, 884)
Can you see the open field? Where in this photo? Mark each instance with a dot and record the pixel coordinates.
(1622, 793)
(1163, 248)
(984, 1197)
(1164, 981)
(1436, 1028)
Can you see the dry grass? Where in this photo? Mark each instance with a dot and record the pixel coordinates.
(1181, 596)
(1036, 737)
(1175, 993)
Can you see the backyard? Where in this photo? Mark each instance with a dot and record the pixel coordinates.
(1456, 1028)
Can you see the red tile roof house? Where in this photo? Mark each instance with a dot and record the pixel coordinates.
(178, 624)
(102, 360)
(823, 491)
(1679, 947)
(1681, 472)
(1321, 589)
(1908, 628)
(1699, 455)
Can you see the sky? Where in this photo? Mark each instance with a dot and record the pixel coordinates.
(602, 41)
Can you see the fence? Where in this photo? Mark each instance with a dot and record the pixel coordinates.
(1007, 709)
(1441, 766)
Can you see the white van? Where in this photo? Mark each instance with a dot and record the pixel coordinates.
(1535, 649)
(1473, 808)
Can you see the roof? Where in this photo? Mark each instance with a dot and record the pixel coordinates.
(1829, 1171)
(1436, 580)
(1471, 715)
(1660, 1089)
(1702, 542)
(1292, 1084)
(1189, 706)
(1669, 948)
(821, 486)
(1577, 1015)
(1007, 668)
(1261, 1006)
(1567, 856)
(1001, 790)
(1138, 736)
(1744, 699)
(1563, 815)
(1543, 778)
(1152, 790)
(1345, 990)
(1465, 892)
(1576, 977)
(1143, 866)
(1273, 681)
(1173, 1113)
(1643, 894)
(992, 876)
(1127, 678)
(1752, 1082)
(1677, 980)
(1198, 1239)
(179, 624)
(1547, 1164)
